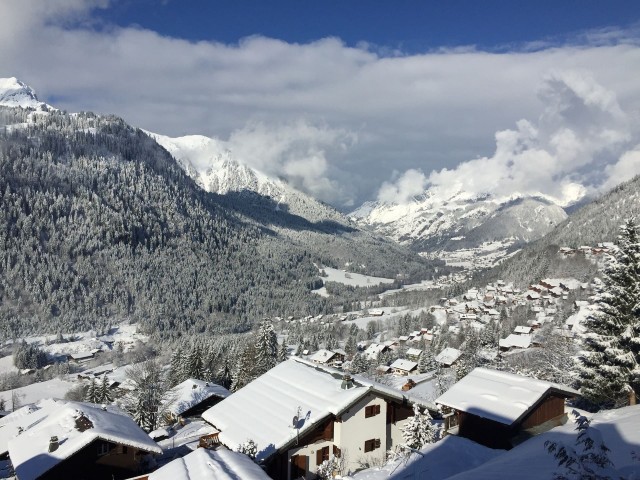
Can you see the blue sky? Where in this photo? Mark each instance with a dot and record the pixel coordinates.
(357, 100)
(409, 26)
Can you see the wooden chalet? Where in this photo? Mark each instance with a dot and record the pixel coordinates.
(499, 409)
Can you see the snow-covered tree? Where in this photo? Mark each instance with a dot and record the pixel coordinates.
(610, 370)
(587, 460)
(427, 361)
(145, 401)
(283, 352)
(177, 367)
(419, 430)
(194, 365)
(350, 346)
(266, 348)
(93, 392)
(359, 364)
(105, 393)
(244, 371)
(249, 448)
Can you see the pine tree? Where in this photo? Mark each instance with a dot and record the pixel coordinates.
(427, 361)
(244, 372)
(93, 394)
(266, 348)
(350, 346)
(177, 367)
(419, 431)
(194, 366)
(105, 393)
(283, 352)
(609, 370)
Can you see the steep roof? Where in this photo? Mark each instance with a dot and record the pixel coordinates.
(76, 425)
(264, 410)
(191, 392)
(448, 356)
(203, 464)
(402, 364)
(499, 396)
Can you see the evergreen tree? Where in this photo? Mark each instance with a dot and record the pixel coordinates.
(194, 366)
(177, 367)
(244, 372)
(427, 361)
(93, 392)
(419, 430)
(150, 392)
(283, 352)
(105, 393)
(350, 346)
(266, 348)
(359, 364)
(610, 369)
(249, 448)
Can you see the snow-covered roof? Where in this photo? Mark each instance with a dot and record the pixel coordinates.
(448, 356)
(402, 364)
(414, 352)
(322, 356)
(499, 396)
(522, 329)
(517, 341)
(59, 418)
(203, 464)
(264, 410)
(191, 392)
(374, 350)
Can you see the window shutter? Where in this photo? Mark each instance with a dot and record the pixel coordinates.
(377, 444)
(336, 451)
(318, 456)
(377, 409)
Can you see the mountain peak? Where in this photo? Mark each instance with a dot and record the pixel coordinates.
(14, 93)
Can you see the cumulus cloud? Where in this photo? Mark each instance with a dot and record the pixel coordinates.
(296, 151)
(581, 127)
(406, 187)
(295, 110)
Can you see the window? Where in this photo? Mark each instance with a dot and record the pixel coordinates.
(322, 454)
(371, 445)
(103, 448)
(371, 411)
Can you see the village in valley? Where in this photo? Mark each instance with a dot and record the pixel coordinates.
(468, 382)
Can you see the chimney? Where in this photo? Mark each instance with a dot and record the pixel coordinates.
(53, 444)
(347, 382)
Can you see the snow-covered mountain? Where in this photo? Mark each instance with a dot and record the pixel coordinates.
(433, 221)
(212, 166)
(14, 93)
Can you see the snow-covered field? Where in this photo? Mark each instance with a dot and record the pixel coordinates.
(388, 315)
(6, 365)
(55, 388)
(353, 279)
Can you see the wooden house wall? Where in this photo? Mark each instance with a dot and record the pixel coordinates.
(551, 407)
(485, 432)
(86, 464)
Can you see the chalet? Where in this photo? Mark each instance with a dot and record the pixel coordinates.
(192, 397)
(322, 356)
(81, 356)
(414, 354)
(515, 341)
(376, 312)
(374, 350)
(204, 464)
(57, 439)
(520, 329)
(404, 367)
(496, 409)
(448, 356)
(300, 414)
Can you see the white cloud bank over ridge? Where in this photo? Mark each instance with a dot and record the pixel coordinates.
(581, 121)
(338, 121)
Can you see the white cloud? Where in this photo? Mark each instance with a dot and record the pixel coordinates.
(627, 167)
(580, 124)
(408, 185)
(296, 110)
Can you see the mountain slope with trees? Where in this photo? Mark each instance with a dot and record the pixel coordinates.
(100, 224)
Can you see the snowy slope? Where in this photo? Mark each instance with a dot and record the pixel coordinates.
(212, 166)
(433, 220)
(461, 459)
(14, 93)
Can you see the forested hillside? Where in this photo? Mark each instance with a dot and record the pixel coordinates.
(596, 222)
(99, 224)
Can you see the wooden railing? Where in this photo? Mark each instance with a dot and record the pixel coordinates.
(209, 441)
